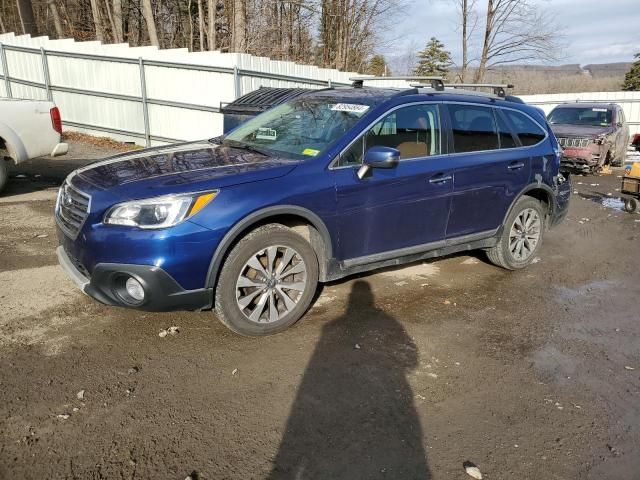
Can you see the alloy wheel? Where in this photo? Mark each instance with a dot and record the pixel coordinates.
(525, 234)
(271, 283)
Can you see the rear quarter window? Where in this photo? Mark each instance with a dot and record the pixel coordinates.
(528, 131)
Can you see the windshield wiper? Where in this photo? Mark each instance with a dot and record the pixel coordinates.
(245, 146)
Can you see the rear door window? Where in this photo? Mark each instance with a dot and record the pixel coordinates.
(528, 131)
(473, 128)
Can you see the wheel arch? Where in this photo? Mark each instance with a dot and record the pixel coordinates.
(539, 191)
(300, 219)
(12, 144)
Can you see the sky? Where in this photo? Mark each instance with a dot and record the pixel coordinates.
(593, 31)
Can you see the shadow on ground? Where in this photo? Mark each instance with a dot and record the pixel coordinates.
(354, 416)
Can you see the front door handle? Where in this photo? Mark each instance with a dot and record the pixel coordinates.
(516, 166)
(440, 178)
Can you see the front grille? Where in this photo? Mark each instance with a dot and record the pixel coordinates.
(569, 142)
(72, 209)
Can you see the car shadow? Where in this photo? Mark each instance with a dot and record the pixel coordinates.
(40, 174)
(354, 416)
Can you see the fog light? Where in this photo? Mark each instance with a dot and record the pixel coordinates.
(134, 289)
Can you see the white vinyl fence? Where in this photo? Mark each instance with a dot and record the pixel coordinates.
(629, 101)
(144, 94)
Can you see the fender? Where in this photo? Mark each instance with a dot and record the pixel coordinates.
(235, 231)
(16, 148)
(528, 188)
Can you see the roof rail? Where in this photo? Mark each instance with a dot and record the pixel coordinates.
(499, 89)
(437, 83)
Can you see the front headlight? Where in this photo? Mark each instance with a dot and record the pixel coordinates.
(158, 212)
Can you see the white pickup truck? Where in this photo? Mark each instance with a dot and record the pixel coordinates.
(28, 129)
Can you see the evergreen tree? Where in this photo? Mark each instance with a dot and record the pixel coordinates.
(632, 78)
(378, 66)
(434, 60)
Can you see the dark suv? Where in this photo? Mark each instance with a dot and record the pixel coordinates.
(591, 135)
(332, 183)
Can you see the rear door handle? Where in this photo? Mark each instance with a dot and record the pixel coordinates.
(516, 166)
(440, 178)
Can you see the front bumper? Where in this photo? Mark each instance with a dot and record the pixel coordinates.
(162, 292)
(582, 158)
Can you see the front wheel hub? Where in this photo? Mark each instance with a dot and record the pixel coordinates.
(270, 284)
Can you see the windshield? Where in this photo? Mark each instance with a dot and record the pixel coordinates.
(594, 117)
(304, 127)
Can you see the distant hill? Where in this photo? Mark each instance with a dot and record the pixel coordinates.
(608, 69)
(596, 70)
(534, 79)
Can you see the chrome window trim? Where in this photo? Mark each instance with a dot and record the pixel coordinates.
(332, 165)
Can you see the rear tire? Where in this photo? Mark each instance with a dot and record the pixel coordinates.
(521, 236)
(631, 204)
(4, 173)
(267, 282)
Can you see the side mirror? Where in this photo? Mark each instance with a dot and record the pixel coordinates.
(378, 157)
(619, 124)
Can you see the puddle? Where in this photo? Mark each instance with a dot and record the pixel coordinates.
(586, 292)
(614, 203)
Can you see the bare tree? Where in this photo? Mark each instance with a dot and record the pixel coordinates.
(147, 12)
(347, 30)
(468, 22)
(2, 27)
(201, 24)
(118, 34)
(239, 30)
(97, 20)
(27, 19)
(515, 31)
(211, 34)
(190, 26)
(53, 8)
(329, 33)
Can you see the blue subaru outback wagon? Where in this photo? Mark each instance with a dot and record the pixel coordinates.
(332, 183)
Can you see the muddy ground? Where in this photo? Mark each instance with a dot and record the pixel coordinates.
(399, 374)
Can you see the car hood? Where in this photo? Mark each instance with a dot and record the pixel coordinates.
(179, 168)
(565, 130)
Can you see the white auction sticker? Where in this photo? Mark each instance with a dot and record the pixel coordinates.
(350, 107)
(599, 109)
(266, 134)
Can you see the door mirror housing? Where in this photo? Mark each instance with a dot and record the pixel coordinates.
(382, 157)
(378, 157)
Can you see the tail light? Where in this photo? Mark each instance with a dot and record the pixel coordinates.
(56, 120)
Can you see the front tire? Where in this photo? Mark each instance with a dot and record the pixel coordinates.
(521, 236)
(267, 282)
